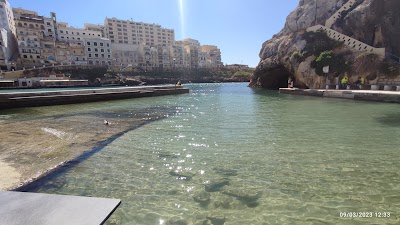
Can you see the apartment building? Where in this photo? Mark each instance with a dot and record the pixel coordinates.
(125, 56)
(148, 58)
(178, 56)
(77, 35)
(95, 27)
(190, 42)
(121, 43)
(212, 55)
(164, 60)
(98, 51)
(8, 44)
(30, 32)
(68, 53)
(130, 32)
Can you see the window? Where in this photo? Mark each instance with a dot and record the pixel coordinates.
(102, 55)
(48, 24)
(108, 45)
(38, 57)
(96, 55)
(88, 43)
(109, 56)
(96, 50)
(95, 44)
(101, 50)
(89, 49)
(101, 44)
(49, 30)
(90, 55)
(25, 56)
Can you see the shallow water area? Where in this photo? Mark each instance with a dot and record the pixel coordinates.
(226, 153)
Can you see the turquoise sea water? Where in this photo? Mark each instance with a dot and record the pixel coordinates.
(264, 158)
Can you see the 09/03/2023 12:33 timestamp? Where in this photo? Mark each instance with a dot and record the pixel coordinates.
(364, 214)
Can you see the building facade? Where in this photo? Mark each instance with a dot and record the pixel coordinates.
(125, 57)
(119, 43)
(98, 51)
(30, 32)
(77, 35)
(8, 44)
(130, 32)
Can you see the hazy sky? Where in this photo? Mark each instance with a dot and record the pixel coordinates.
(237, 27)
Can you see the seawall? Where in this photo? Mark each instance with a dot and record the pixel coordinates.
(363, 95)
(43, 98)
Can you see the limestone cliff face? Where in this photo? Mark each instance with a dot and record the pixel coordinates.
(373, 22)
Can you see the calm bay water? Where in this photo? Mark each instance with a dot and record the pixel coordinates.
(265, 158)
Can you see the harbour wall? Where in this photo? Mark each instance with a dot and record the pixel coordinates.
(45, 98)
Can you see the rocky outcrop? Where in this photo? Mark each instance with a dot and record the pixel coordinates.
(293, 51)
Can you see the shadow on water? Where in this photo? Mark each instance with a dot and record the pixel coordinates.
(59, 171)
(392, 119)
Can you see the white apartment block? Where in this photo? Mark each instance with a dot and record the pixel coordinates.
(148, 58)
(71, 34)
(98, 51)
(30, 28)
(190, 42)
(178, 56)
(130, 32)
(95, 27)
(212, 55)
(6, 16)
(125, 55)
(8, 45)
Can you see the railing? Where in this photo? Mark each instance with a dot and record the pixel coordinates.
(392, 57)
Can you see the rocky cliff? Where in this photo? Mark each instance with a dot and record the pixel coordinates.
(301, 54)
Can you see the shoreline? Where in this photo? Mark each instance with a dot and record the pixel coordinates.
(32, 182)
(35, 182)
(40, 147)
(359, 95)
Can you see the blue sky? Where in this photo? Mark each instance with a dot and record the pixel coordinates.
(237, 27)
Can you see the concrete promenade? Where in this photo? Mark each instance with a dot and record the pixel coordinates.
(18, 208)
(364, 95)
(60, 97)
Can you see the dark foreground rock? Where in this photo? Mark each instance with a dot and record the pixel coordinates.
(181, 175)
(216, 185)
(202, 197)
(246, 196)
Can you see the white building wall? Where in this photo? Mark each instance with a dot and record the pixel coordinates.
(71, 34)
(98, 51)
(130, 32)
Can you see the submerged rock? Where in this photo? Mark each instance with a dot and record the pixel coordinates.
(177, 221)
(202, 197)
(225, 171)
(182, 175)
(217, 220)
(216, 185)
(223, 202)
(247, 197)
(167, 155)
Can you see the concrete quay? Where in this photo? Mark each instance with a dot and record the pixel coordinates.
(363, 95)
(60, 97)
(45, 209)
